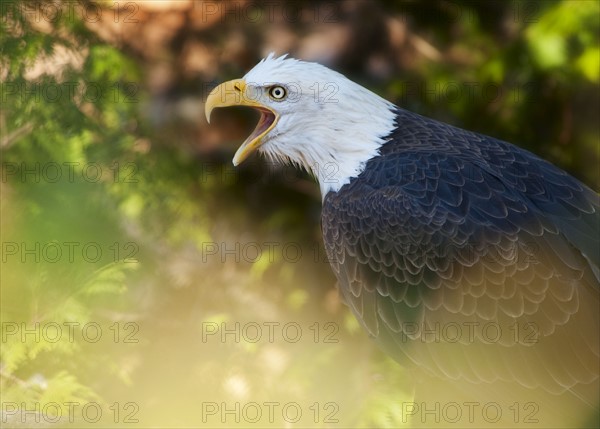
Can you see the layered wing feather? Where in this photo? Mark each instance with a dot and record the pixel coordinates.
(470, 258)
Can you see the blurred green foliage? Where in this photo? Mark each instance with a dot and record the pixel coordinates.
(51, 125)
(139, 182)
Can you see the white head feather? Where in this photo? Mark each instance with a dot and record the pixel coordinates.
(328, 124)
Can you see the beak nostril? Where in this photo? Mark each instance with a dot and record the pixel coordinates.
(237, 87)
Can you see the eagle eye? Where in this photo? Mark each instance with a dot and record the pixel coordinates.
(277, 92)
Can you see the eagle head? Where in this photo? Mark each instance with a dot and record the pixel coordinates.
(310, 116)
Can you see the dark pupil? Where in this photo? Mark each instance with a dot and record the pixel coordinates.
(277, 92)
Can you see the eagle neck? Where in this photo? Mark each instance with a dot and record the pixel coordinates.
(344, 153)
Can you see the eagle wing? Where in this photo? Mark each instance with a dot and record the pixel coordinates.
(470, 258)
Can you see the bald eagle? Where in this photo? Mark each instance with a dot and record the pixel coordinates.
(470, 261)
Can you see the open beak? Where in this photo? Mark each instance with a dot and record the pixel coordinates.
(234, 93)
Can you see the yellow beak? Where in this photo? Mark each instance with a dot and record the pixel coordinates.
(235, 93)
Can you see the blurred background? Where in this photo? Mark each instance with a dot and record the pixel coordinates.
(145, 281)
